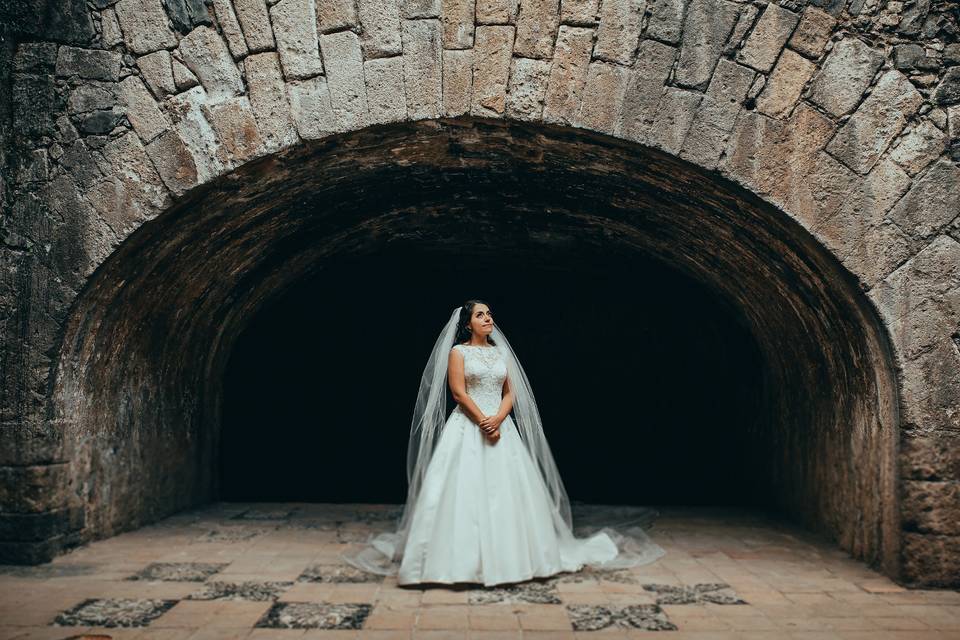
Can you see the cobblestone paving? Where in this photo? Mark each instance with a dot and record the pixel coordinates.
(205, 574)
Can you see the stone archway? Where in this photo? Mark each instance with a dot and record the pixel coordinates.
(808, 136)
(143, 414)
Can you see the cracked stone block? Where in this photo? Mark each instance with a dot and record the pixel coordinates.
(236, 128)
(35, 57)
(706, 28)
(528, 86)
(336, 573)
(496, 11)
(114, 612)
(913, 57)
(227, 19)
(861, 140)
(422, 75)
(568, 74)
(491, 66)
(144, 25)
(724, 96)
(420, 8)
(187, 14)
(255, 22)
(918, 148)
(603, 96)
(768, 38)
(178, 571)
(344, 71)
(844, 76)
(92, 64)
(380, 28)
(457, 81)
(268, 99)
(206, 55)
(110, 28)
(666, 20)
(645, 87)
(312, 114)
(948, 91)
(249, 590)
(314, 615)
(619, 30)
(158, 72)
(812, 34)
(336, 15)
(536, 28)
(932, 202)
(142, 110)
(183, 78)
(457, 18)
(385, 93)
(530, 592)
(186, 112)
(785, 85)
(295, 28)
(174, 163)
(712, 592)
(673, 118)
(590, 617)
(932, 507)
(91, 96)
(746, 19)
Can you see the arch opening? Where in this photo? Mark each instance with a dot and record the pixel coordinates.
(145, 353)
(638, 370)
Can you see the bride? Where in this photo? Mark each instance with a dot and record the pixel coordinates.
(485, 503)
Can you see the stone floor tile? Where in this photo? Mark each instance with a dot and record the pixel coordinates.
(180, 571)
(315, 615)
(440, 634)
(499, 621)
(248, 590)
(114, 612)
(275, 634)
(442, 617)
(641, 616)
(494, 634)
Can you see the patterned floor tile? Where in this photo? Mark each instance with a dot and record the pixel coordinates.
(114, 612)
(315, 615)
(714, 592)
(231, 534)
(179, 571)
(530, 592)
(337, 573)
(255, 591)
(589, 617)
(593, 574)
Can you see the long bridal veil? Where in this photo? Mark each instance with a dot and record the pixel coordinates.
(382, 552)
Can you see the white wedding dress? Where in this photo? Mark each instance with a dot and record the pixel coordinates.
(483, 514)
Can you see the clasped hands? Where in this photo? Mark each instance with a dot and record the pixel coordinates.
(491, 427)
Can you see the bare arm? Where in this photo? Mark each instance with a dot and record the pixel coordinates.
(458, 387)
(506, 404)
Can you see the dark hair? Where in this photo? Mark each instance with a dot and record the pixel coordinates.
(463, 322)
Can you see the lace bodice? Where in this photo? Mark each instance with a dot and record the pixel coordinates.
(484, 371)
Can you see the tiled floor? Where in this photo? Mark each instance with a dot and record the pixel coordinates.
(265, 571)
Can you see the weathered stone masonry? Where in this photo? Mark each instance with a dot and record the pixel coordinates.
(155, 151)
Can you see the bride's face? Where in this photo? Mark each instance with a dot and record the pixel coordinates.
(481, 320)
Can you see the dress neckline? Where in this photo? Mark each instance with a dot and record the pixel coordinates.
(475, 346)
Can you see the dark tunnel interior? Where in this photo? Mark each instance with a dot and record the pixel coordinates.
(645, 379)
